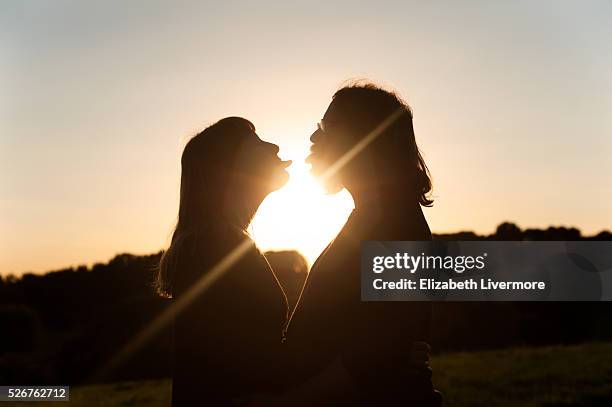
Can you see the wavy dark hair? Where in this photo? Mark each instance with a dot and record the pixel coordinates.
(207, 174)
(364, 106)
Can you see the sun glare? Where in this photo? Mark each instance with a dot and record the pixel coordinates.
(300, 216)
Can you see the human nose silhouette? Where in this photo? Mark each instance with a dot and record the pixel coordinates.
(316, 136)
(273, 146)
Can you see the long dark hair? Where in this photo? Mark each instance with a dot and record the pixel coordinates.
(207, 178)
(364, 106)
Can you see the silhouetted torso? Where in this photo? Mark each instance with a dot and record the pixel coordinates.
(374, 339)
(227, 341)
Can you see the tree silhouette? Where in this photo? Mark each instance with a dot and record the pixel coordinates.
(60, 326)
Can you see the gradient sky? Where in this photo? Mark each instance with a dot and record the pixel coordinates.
(512, 104)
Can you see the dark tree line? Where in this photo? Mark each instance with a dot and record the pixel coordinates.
(61, 326)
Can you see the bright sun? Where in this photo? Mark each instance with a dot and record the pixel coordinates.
(300, 216)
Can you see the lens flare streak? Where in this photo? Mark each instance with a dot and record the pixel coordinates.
(209, 278)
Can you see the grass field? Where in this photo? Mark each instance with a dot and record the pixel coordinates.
(564, 376)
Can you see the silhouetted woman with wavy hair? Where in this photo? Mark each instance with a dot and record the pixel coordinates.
(229, 334)
(366, 144)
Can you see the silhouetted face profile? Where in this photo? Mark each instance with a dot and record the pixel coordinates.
(257, 164)
(389, 160)
(330, 141)
(227, 171)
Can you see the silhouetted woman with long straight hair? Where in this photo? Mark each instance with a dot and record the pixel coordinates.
(228, 336)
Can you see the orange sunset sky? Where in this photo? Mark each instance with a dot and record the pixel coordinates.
(511, 104)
